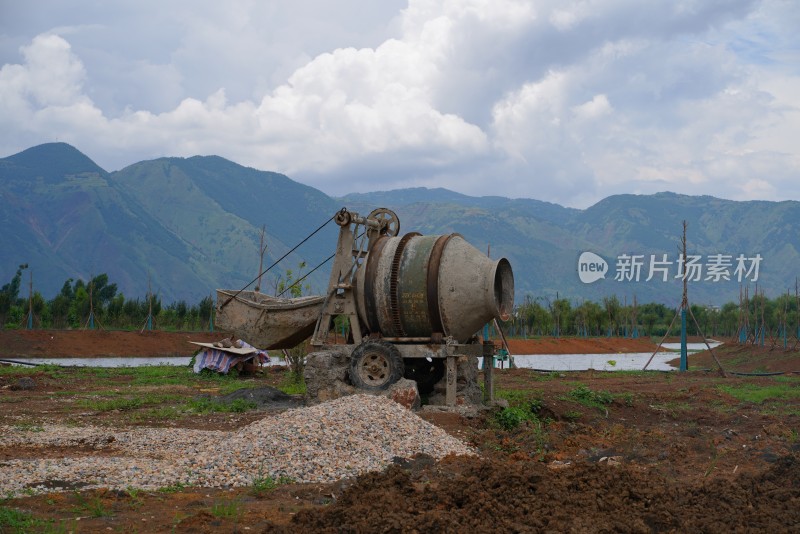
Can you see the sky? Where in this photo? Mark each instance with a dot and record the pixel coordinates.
(566, 101)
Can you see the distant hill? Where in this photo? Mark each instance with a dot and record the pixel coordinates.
(543, 241)
(187, 226)
(190, 225)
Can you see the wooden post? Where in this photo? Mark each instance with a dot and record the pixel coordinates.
(262, 249)
(450, 394)
(488, 371)
(684, 365)
(30, 301)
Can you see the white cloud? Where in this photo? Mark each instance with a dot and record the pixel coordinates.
(566, 101)
(51, 76)
(597, 107)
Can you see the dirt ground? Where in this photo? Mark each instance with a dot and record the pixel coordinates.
(653, 452)
(96, 343)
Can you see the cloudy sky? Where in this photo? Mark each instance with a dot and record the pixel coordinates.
(567, 101)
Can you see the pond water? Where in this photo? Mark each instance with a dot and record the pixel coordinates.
(544, 362)
(633, 361)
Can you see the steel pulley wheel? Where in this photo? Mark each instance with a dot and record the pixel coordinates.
(390, 224)
(343, 217)
(375, 365)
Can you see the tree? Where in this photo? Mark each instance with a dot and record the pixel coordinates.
(9, 294)
(612, 309)
(80, 307)
(102, 291)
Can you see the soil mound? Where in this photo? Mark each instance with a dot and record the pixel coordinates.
(469, 495)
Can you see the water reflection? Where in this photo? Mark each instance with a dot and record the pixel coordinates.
(544, 362)
(633, 361)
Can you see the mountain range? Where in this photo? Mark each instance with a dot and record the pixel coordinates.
(185, 226)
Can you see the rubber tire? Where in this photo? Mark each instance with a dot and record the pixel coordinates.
(384, 356)
(425, 373)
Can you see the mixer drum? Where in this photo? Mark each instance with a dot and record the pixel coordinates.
(419, 287)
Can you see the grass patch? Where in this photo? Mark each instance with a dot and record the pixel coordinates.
(263, 484)
(204, 405)
(758, 394)
(227, 509)
(92, 506)
(777, 397)
(523, 410)
(135, 495)
(173, 488)
(592, 399)
(511, 417)
(293, 384)
(25, 370)
(17, 521)
(127, 404)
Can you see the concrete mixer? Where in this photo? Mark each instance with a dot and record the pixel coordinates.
(414, 303)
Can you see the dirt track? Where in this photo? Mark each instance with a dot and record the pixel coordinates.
(669, 452)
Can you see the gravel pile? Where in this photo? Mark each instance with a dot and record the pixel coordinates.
(323, 443)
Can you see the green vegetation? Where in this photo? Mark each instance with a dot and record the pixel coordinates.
(94, 303)
(90, 505)
(126, 404)
(134, 391)
(511, 417)
(592, 399)
(16, 521)
(151, 375)
(543, 316)
(227, 509)
(98, 299)
(162, 413)
(785, 389)
(207, 405)
(173, 488)
(522, 406)
(293, 384)
(263, 484)
(523, 412)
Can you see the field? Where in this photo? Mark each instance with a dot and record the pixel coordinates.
(573, 452)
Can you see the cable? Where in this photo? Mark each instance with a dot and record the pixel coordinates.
(311, 271)
(306, 275)
(276, 262)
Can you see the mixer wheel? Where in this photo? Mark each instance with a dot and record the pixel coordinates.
(375, 365)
